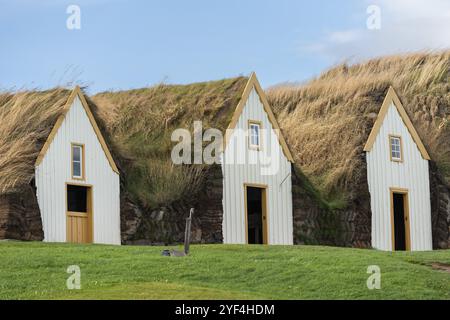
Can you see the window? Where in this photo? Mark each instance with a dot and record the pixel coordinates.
(77, 161)
(395, 143)
(254, 138)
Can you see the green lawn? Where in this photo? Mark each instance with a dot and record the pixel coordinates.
(38, 271)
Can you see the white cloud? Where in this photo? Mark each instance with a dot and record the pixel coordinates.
(406, 25)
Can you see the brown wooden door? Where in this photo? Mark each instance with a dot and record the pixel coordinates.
(256, 213)
(401, 235)
(78, 227)
(264, 215)
(79, 214)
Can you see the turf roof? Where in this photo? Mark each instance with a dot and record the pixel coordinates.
(327, 120)
(26, 119)
(140, 123)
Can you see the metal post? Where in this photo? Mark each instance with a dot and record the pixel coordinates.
(187, 232)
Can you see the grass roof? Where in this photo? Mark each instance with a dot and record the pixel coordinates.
(26, 119)
(140, 123)
(327, 120)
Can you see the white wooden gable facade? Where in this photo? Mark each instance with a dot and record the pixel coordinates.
(55, 177)
(397, 165)
(267, 167)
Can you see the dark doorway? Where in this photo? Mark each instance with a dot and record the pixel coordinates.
(79, 227)
(256, 215)
(400, 218)
(77, 198)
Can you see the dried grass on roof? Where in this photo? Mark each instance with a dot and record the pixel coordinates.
(26, 119)
(140, 123)
(327, 120)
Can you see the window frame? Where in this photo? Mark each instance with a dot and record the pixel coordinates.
(252, 146)
(394, 136)
(82, 177)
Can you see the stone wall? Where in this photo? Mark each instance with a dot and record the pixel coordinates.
(313, 222)
(440, 209)
(165, 225)
(20, 217)
(316, 223)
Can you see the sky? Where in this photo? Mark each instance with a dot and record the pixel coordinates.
(123, 44)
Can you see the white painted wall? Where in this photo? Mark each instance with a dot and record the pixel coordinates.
(279, 192)
(55, 171)
(411, 174)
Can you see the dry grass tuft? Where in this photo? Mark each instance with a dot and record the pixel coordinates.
(160, 182)
(26, 119)
(327, 121)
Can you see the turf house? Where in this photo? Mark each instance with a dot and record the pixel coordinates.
(381, 169)
(235, 202)
(398, 179)
(58, 180)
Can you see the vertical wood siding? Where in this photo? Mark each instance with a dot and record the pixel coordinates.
(55, 171)
(411, 174)
(279, 193)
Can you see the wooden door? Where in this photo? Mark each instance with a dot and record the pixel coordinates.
(401, 237)
(79, 214)
(255, 198)
(264, 214)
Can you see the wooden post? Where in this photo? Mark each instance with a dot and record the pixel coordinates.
(187, 232)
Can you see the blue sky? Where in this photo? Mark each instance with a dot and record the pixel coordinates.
(129, 44)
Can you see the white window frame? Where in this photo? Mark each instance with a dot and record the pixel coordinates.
(80, 146)
(393, 153)
(251, 135)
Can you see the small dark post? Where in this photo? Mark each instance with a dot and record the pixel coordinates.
(187, 232)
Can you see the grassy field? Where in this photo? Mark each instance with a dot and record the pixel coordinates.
(38, 271)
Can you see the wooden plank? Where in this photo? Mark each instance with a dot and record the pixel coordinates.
(77, 214)
(246, 213)
(90, 219)
(187, 232)
(264, 215)
(407, 225)
(68, 230)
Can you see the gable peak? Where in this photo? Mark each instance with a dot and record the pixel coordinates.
(392, 98)
(253, 84)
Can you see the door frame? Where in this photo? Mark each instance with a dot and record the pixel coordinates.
(90, 210)
(405, 193)
(265, 214)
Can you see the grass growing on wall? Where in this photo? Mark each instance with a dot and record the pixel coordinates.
(38, 271)
(330, 202)
(157, 181)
